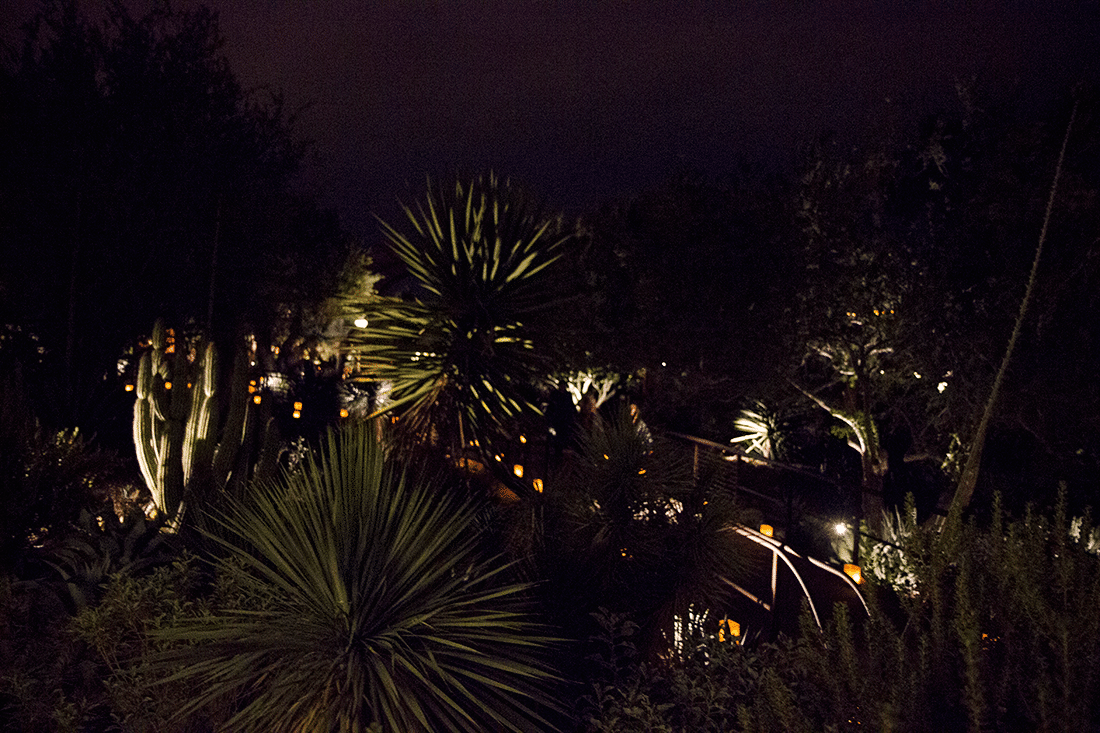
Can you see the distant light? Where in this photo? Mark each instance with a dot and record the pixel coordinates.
(344, 412)
(537, 483)
(168, 385)
(941, 386)
(297, 405)
(853, 572)
(840, 528)
(360, 322)
(917, 375)
(523, 438)
(256, 398)
(767, 530)
(129, 388)
(296, 414)
(518, 470)
(641, 472)
(664, 363)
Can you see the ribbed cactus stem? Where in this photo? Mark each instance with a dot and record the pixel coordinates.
(233, 435)
(144, 429)
(198, 446)
(176, 429)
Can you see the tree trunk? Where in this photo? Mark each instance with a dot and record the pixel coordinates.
(969, 479)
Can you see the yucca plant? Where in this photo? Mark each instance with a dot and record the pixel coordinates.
(463, 356)
(387, 614)
(629, 526)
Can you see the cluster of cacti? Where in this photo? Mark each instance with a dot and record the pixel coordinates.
(186, 449)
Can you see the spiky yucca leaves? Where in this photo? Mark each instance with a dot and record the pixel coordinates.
(386, 610)
(463, 357)
(629, 527)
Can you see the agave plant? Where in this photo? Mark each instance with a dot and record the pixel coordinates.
(386, 612)
(462, 358)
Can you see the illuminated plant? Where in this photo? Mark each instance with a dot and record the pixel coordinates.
(762, 431)
(464, 355)
(385, 612)
(184, 448)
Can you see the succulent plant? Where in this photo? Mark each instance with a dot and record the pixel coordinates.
(187, 448)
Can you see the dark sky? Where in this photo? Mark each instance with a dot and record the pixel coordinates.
(585, 99)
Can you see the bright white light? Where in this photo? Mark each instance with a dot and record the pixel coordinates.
(916, 374)
(360, 322)
(840, 528)
(941, 386)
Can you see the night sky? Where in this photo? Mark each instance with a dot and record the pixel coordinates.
(586, 100)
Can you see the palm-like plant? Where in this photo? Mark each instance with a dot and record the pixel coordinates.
(462, 358)
(386, 613)
(628, 526)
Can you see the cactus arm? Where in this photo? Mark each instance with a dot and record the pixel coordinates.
(144, 442)
(198, 444)
(270, 450)
(235, 424)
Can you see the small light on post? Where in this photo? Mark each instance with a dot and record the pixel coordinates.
(853, 572)
(767, 530)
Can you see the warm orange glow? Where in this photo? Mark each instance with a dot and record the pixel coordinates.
(767, 530)
(344, 412)
(168, 385)
(641, 472)
(129, 388)
(518, 470)
(733, 628)
(853, 572)
(296, 414)
(297, 405)
(523, 438)
(256, 398)
(537, 483)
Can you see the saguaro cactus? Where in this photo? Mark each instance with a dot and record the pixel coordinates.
(187, 449)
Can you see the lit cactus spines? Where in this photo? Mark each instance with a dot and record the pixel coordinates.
(184, 449)
(198, 446)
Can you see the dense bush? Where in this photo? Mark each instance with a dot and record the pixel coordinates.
(1000, 633)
